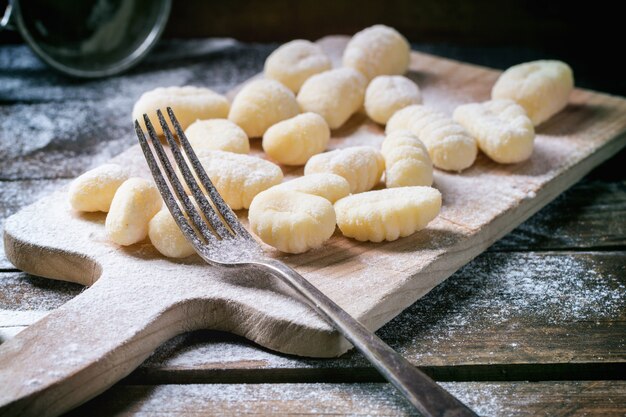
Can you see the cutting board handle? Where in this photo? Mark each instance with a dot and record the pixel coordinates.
(84, 347)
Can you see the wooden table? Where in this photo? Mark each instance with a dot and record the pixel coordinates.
(534, 326)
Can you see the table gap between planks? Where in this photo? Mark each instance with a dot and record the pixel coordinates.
(545, 304)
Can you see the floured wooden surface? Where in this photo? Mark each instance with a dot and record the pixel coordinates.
(374, 282)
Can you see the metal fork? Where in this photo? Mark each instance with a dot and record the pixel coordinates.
(221, 240)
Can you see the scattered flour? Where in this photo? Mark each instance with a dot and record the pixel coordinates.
(91, 122)
(495, 289)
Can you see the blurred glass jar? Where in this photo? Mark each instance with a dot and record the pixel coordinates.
(88, 38)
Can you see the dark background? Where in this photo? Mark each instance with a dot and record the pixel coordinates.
(484, 22)
(572, 24)
(589, 35)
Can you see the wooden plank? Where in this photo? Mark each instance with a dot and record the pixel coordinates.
(503, 308)
(17, 194)
(216, 63)
(51, 126)
(588, 398)
(590, 215)
(524, 309)
(23, 292)
(61, 140)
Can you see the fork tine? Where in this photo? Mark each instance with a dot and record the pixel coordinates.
(216, 222)
(225, 211)
(191, 211)
(168, 197)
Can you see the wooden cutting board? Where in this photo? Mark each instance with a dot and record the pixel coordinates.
(137, 299)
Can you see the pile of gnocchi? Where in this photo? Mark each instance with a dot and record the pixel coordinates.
(293, 109)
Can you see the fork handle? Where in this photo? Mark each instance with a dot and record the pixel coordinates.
(426, 395)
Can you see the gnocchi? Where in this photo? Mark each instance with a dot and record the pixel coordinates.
(217, 134)
(387, 214)
(361, 166)
(136, 201)
(377, 50)
(501, 127)
(406, 160)
(335, 95)
(294, 62)
(239, 178)
(294, 141)
(542, 88)
(387, 94)
(188, 103)
(449, 145)
(94, 190)
(401, 120)
(166, 236)
(292, 222)
(329, 186)
(261, 104)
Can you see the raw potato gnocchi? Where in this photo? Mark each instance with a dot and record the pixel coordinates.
(239, 178)
(386, 94)
(294, 62)
(329, 186)
(387, 214)
(361, 166)
(188, 103)
(261, 104)
(377, 50)
(449, 145)
(94, 190)
(217, 135)
(501, 127)
(542, 88)
(294, 141)
(135, 203)
(406, 160)
(292, 221)
(335, 95)
(166, 237)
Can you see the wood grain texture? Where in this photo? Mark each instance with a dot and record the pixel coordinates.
(53, 126)
(589, 398)
(590, 215)
(373, 282)
(15, 195)
(504, 315)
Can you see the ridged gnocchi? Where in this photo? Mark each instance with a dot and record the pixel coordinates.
(261, 104)
(94, 190)
(217, 135)
(294, 141)
(294, 62)
(239, 178)
(377, 50)
(386, 94)
(291, 221)
(166, 236)
(449, 144)
(335, 95)
(329, 186)
(501, 127)
(387, 214)
(542, 88)
(189, 103)
(406, 160)
(401, 120)
(361, 166)
(135, 202)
